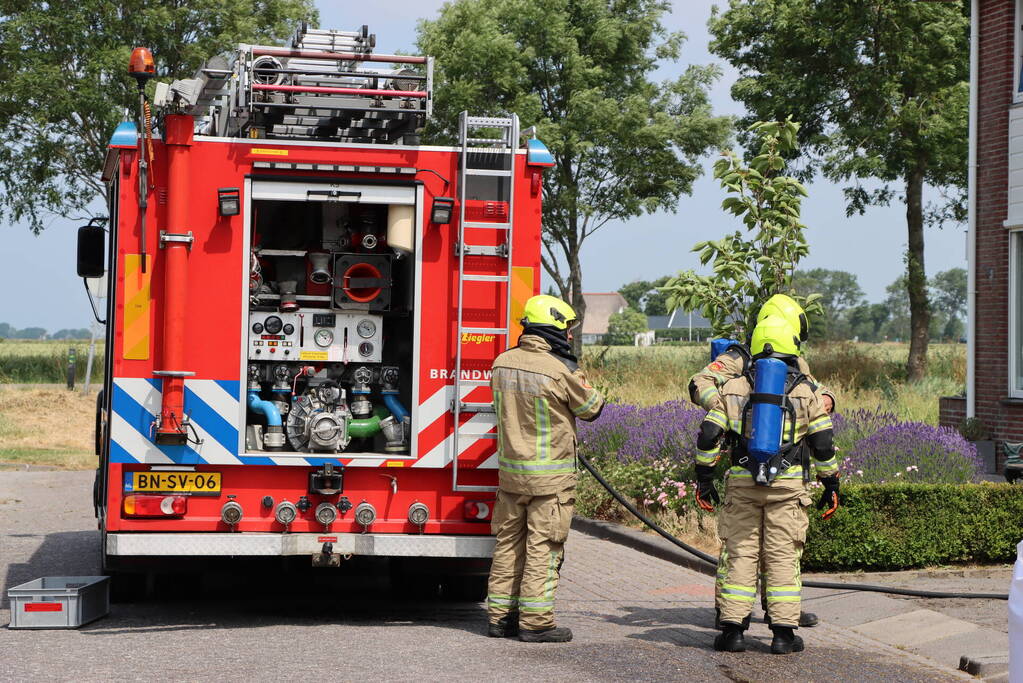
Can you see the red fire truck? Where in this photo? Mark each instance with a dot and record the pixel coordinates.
(303, 306)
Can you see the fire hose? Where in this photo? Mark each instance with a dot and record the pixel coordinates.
(831, 585)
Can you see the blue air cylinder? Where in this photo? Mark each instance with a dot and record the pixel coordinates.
(719, 346)
(768, 417)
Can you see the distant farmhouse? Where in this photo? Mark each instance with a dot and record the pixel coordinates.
(680, 325)
(600, 306)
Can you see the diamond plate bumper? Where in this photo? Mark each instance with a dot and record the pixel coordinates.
(242, 544)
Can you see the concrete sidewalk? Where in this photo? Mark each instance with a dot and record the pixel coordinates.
(944, 631)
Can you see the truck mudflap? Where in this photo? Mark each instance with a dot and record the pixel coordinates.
(256, 544)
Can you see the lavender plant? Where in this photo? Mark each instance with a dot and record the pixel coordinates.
(912, 452)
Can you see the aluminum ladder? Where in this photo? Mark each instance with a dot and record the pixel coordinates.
(504, 146)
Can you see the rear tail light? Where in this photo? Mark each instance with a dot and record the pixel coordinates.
(137, 505)
(477, 510)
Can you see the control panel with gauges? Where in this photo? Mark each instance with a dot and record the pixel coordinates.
(326, 336)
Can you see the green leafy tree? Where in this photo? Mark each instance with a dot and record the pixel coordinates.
(867, 321)
(948, 292)
(750, 269)
(840, 291)
(645, 296)
(581, 72)
(881, 89)
(623, 327)
(64, 69)
(636, 293)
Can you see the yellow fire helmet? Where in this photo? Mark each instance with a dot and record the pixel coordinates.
(545, 309)
(784, 306)
(774, 331)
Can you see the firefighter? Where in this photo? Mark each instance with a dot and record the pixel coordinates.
(765, 519)
(734, 362)
(538, 391)
(704, 385)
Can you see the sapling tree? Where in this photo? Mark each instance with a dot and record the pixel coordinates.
(750, 265)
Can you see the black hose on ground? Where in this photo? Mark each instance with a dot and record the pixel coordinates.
(713, 561)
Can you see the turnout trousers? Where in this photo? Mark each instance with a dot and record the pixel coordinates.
(531, 533)
(762, 525)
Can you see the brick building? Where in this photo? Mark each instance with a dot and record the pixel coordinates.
(994, 391)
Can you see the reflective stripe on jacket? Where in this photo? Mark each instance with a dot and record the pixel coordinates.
(537, 398)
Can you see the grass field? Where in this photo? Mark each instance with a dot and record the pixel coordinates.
(45, 362)
(47, 427)
(55, 427)
(862, 375)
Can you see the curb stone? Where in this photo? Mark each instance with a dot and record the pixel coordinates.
(984, 666)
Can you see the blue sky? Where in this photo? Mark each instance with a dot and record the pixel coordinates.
(42, 290)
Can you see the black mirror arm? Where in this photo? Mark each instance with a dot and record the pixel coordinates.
(92, 301)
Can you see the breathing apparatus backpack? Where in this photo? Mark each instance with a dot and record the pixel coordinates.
(720, 346)
(765, 453)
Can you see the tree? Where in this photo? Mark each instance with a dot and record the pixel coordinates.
(623, 327)
(881, 89)
(948, 291)
(580, 70)
(66, 86)
(867, 320)
(840, 291)
(635, 293)
(748, 271)
(645, 296)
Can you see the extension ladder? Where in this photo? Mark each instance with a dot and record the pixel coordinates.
(502, 150)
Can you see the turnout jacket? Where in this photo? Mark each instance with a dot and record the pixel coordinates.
(812, 425)
(537, 397)
(705, 385)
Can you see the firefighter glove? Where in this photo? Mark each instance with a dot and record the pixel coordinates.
(829, 499)
(706, 495)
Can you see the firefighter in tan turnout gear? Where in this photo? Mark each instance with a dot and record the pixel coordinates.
(764, 515)
(705, 387)
(539, 392)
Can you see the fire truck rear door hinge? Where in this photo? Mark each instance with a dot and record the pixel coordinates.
(186, 238)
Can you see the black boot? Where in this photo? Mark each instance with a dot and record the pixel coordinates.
(806, 619)
(731, 639)
(554, 634)
(785, 641)
(505, 627)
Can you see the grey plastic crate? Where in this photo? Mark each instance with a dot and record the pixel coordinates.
(59, 601)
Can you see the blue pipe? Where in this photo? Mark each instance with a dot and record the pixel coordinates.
(267, 408)
(394, 405)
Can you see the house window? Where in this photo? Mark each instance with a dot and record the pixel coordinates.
(1017, 95)
(1016, 314)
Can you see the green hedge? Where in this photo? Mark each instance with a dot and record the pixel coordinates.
(901, 526)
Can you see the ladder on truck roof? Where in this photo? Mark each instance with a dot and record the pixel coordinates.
(481, 157)
(323, 85)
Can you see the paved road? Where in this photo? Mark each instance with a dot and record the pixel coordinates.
(635, 617)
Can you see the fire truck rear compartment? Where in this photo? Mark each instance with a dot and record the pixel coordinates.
(330, 339)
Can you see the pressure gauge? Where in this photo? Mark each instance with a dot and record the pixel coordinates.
(273, 324)
(324, 337)
(367, 328)
(257, 328)
(366, 349)
(289, 328)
